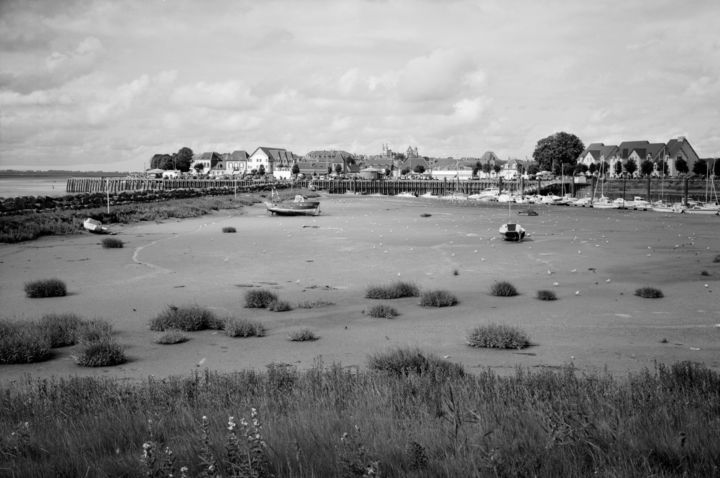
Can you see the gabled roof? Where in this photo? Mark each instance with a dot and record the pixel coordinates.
(675, 145)
(276, 154)
(329, 155)
(627, 147)
(238, 156)
(608, 151)
(489, 156)
(656, 150)
(594, 149)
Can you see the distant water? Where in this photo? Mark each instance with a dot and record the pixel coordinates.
(14, 186)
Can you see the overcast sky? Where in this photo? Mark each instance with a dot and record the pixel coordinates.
(106, 84)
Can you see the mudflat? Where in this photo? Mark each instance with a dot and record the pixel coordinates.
(593, 260)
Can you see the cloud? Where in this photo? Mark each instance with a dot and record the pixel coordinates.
(36, 98)
(70, 64)
(118, 102)
(435, 76)
(222, 95)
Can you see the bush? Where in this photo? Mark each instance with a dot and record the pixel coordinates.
(497, 336)
(546, 295)
(716, 259)
(100, 353)
(23, 343)
(397, 290)
(93, 331)
(243, 328)
(314, 304)
(382, 311)
(649, 293)
(187, 318)
(406, 361)
(302, 335)
(437, 298)
(45, 288)
(229, 229)
(61, 329)
(503, 289)
(112, 243)
(279, 306)
(259, 299)
(171, 337)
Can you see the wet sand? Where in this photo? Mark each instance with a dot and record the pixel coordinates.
(593, 259)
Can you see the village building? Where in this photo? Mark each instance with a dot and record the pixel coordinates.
(271, 160)
(208, 161)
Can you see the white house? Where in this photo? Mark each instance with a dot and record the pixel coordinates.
(270, 159)
(236, 163)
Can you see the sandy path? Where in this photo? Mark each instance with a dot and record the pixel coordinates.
(596, 258)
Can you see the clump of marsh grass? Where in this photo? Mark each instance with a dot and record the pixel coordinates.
(104, 352)
(229, 230)
(404, 361)
(187, 318)
(438, 298)
(498, 336)
(315, 304)
(302, 335)
(45, 288)
(704, 273)
(112, 243)
(396, 290)
(243, 328)
(279, 306)
(259, 299)
(382, 311)
(546, 295)
(716, 259)
(23, 342)
(93, 331)
(503, 289)
(649, 293)
(170, 337)
(61, 329)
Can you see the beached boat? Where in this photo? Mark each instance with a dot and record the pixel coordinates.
(605, 203)
(95, 226)
(300, 206)
(512, 232)
(638, 203)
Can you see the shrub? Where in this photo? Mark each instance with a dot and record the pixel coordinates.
(93, 331)
(704, 273)
(397, 290)
(22, 343)
(503, 289)
(498, 336)
(259, 299)
(406, 361)
(279, 306)
(425, 214)
(243, 328)
(170, 337)
(100, 353)
(229, 229)
(61, 329)
(546, 295)
(716, 259)
(302, 335)
(314, 304)
(45, 288)
(187, 318)
(382, 311)
(112, 243)
(437, 298)
(649, 293)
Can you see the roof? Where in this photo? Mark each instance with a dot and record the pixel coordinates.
(489, 156)
(328, 155)
(675, 145)
(276, 154)
(608, 151)
(239, 156)
(627, 147)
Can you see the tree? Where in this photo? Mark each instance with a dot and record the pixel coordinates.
(592, 168)
(716, 167)
(199, 167)
(183, 159)
(604, 168)
(581, 168)
(261, 170)
(475, 169)
(662, 167)
(646, 167)
(486, 167)
(700, 167)
(533, 169)
(338, 168)
(681, 166)
(497, 168)
(560, 148)
(630, 166)
(419, 169)
(618, 168)
(295, 169)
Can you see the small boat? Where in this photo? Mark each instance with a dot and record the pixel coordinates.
(512, 232)
(95, 226)
(300, 206)
(639, 204)
(582, 202)
(605, 203)
(707, 209)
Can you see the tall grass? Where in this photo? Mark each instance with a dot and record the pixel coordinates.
(259, 299)
(187, 318)
(395, 290)
(45, 288)
(23, 342)
(328, 421)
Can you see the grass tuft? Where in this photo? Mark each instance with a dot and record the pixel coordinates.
(23, 342)
(406, 361)
(382, 311)
(497, 336)
(302, 335)
(112, 243)
(503, 289)
(716, 259)
(279, 306)
(243, 328)
(229, 229)
(259, 299)
(649, 293)
(187, 318)
(100, 353)
(546, 295)
(315, 304)
(438, 298)
(170, 337)
(61, 329)
(93, 331)
(396, 290)
(45, 288)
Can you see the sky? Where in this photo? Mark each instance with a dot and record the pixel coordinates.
(105, 84)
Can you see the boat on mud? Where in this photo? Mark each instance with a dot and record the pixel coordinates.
(299, 206)
(95, 226)
(512, 232)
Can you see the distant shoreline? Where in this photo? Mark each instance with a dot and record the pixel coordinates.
(9, 173)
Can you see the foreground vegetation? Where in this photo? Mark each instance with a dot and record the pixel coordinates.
(425, 418)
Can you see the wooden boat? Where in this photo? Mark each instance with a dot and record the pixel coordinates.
(95, 226)
(512, 232)
(300, 206)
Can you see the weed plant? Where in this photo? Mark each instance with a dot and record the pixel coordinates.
(170, 337)
(243, 328)
(259, 299)
(396, 290)
(61, 329)
(546, 295)
(187, 318)
(23, 342)
(405, 361)
(382, 311)
(45, 288)
(329, 420)
(229, 230)
(649, 293)
(302, 335)
(279, 306)
(437, 298)
(112, 243)
(104, 352)
(498, 336)
(93, 331)
(503, 289)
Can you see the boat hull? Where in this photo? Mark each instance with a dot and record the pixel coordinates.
(512, 232)
(293, 209)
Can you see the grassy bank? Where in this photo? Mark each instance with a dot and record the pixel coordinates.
(331, 421)
(25, 227)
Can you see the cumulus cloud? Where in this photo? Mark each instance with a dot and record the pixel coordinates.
(435, 76)
(36, 98)
(78, 61)
(221, 95)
